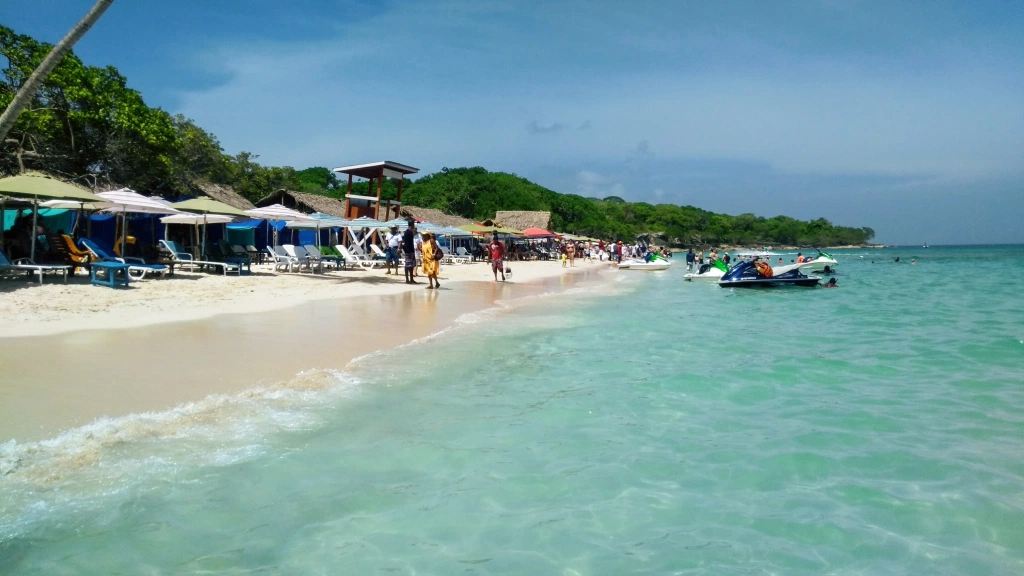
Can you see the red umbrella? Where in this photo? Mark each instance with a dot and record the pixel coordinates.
(538, 233)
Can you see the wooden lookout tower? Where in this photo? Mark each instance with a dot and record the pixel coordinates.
(357, 205)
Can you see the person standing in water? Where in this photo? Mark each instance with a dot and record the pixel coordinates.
(497, 250)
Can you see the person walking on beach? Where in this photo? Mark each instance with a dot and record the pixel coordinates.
(571, 251)
(393, 239)
(409, 252)
(431, 260)
(497, 250)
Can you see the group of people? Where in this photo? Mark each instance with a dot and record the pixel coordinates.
(412, 242)
(698, 259)
(408, 244)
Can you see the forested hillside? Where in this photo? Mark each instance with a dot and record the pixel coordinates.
(87, 125)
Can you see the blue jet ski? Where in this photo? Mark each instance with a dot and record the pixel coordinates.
(760, 275)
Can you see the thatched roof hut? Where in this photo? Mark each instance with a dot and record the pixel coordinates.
(305, 203)
(522, 219)
(225, 194)
(434, 216)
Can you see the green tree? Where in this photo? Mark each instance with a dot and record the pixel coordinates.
(27, 91)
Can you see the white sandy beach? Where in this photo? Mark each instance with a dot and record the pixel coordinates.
(27, 309)
(74, 353)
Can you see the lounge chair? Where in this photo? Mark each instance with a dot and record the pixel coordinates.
(64, 245)
(292, 258)
(254, 254)
(182, 258)
(300, 254)
(29, 268)
(137, 266)
(281, 261)
(464, 254)
(329, 259)
(378, 254)
(240, 252)
(457, 257)
(355, 259)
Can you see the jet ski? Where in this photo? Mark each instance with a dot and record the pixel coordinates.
(819, 263)
(713, 271)
(759, 274)
(652, 263)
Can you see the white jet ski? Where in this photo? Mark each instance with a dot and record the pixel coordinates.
(818, 263)
(656, 263)
(707, 272)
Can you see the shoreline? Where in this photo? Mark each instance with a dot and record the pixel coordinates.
(72, 378)
(30, 310)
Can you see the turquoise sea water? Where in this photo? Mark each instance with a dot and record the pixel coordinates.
(639, 426)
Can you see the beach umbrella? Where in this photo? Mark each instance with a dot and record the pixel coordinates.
(206, 207)
(317, 221)
(537, 233)
(126, 200)
(477, 228)
(278, 213)
(38, 186)
(81, 206)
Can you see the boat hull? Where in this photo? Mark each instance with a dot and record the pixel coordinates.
(714, 274)
(807, 282)
(646, 266)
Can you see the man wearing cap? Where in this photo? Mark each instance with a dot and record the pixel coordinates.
(394, 240)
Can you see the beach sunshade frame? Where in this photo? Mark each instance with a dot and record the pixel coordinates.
(206, 206)
(38, 186)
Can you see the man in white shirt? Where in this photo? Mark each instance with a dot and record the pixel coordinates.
(394, 240)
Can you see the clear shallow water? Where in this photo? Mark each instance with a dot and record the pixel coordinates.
(649, 426)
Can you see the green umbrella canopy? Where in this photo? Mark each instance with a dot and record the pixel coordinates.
(44, 187)
(208, 206)
(477, 228)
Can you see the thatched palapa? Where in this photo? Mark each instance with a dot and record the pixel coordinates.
(434, 216)
(305, 203)
(522, 219)
(225, 194)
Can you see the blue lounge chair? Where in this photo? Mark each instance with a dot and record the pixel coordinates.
(137, 267)
(182, 258)
(29, 268)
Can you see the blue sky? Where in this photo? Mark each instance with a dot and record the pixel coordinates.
(904, 116)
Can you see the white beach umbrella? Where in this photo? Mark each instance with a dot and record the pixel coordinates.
(278, 212)
(196, 219)
(125, 200)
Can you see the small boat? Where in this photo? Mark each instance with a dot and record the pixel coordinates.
(708, 272)
(656, 263)
(749, 275)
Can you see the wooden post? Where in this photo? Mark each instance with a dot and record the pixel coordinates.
(380, 183)
(348, 201)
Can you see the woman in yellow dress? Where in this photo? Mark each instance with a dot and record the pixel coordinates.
(431, 266)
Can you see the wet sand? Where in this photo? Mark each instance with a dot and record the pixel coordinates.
(56, 382)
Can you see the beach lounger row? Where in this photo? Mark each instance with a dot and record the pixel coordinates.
(182, 258)
(137, 267)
